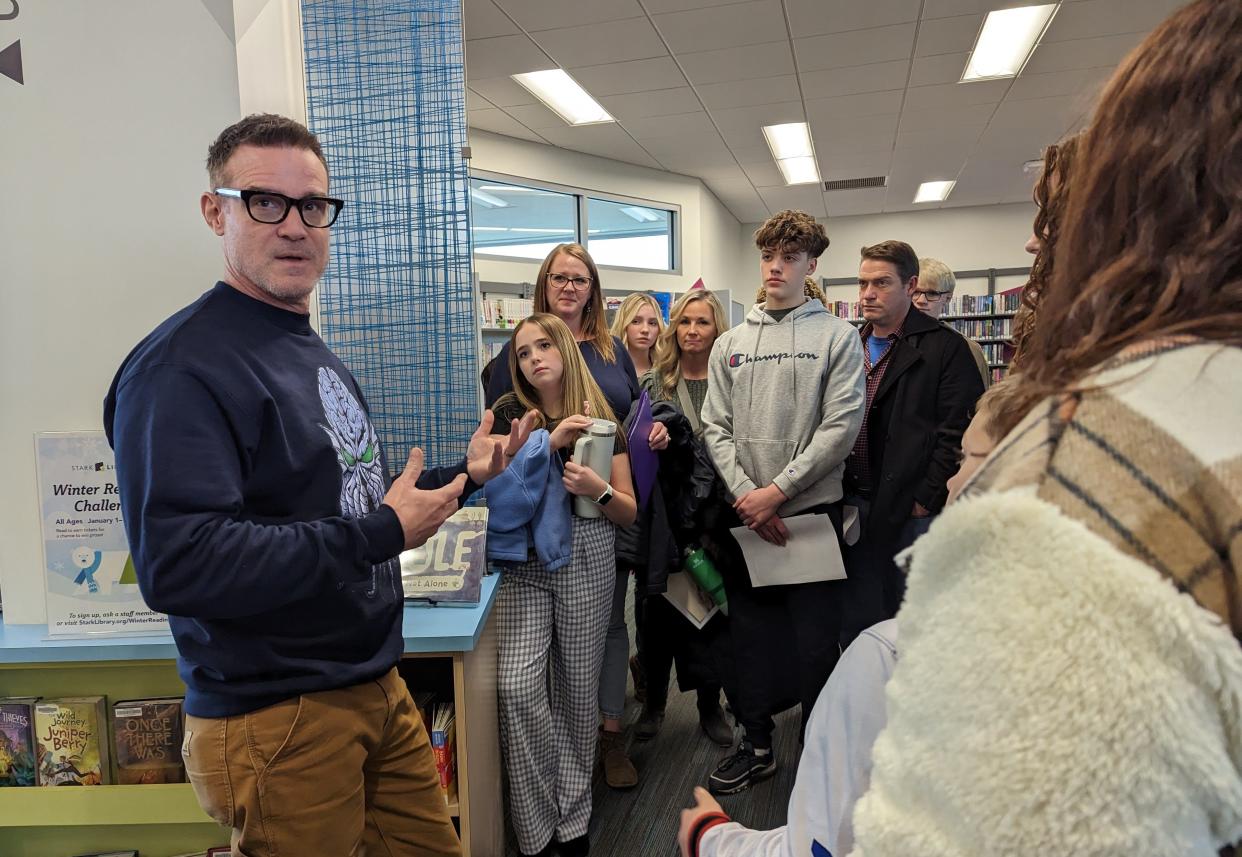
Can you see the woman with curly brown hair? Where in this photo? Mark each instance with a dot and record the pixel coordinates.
(1071, 674)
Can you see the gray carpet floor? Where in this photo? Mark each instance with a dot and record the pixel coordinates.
(643, 821)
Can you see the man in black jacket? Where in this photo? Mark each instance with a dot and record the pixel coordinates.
(922, 385)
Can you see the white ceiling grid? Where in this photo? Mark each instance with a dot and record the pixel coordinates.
(691, 83)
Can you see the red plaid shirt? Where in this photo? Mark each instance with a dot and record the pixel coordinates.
(858, 465)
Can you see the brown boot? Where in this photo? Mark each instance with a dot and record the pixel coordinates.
(619, 771)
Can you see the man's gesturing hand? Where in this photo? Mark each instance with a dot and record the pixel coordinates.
(489, 454)
(421, 512)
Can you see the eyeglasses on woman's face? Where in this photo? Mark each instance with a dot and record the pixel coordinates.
(562, 282)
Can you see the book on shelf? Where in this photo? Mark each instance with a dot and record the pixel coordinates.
(148, 741)
(71, 737)
(504, 312)
(17, 741)
(425, 703)
(449, 567)
(1005, 302)
(443, 741)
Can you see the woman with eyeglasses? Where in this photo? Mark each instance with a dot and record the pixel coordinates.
(568, 286)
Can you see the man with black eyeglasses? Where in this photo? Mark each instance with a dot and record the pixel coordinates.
(933, 293)
(262, 519)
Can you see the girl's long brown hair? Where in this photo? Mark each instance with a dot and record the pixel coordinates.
(594, 317)
(1151, 245)
(1051, 193)
(577, 385)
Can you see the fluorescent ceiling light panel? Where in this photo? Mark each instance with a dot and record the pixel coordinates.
(791, 148)
(562, 94)
(487, 200)
(1006, 41)
(934, 191)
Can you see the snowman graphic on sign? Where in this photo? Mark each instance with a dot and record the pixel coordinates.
(88, 561)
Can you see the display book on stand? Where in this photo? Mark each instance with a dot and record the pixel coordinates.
(987, 319)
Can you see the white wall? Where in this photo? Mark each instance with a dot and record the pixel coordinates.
(100, 232)
(708, 230)
(968, 238)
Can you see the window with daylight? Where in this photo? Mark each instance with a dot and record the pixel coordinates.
(629, 235)
(524, 221)
(520, 221)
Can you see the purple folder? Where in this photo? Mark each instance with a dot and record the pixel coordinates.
(644, 463)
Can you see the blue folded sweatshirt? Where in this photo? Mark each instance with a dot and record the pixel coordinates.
(528, 504)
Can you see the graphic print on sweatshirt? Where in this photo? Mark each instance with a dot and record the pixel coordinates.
(737, 360)
(357, 451)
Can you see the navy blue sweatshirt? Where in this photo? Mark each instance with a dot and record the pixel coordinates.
(251, 483)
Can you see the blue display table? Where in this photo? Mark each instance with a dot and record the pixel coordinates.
(166, 819)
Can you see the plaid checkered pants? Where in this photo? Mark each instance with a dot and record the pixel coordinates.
(551, 628)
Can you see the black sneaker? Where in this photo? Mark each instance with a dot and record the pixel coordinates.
(737, 772)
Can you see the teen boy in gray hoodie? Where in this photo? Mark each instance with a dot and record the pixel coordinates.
(784, 405)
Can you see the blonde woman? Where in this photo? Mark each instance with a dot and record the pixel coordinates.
(638, 324)
(680, 376)
(553, 622)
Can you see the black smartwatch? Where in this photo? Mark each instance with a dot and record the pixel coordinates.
(603, 499)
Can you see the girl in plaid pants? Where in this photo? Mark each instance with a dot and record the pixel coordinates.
(552, 624)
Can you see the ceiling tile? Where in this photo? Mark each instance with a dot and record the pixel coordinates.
(744, 93)
(689, 162)
(499, 122)
(607, 141)
(948, 95)
(659, 102)
(474, 101)
(482, 20)
(853, 80)
(948, 35)
(743, 126)
(696, 124)
(703, 67)
(974, 114)
(712, 29)
(817, 17)
(723, 175)
(942, 68)
(503, 91)
(1107, 17)
(765, 175)
(708, 145)
(808, 198)
(556, 14)
(846, 107)
(867, 135)
(625, 77)
(536, 116)
(1077, 81)
(659, 7)
(862, 165)
(597, 44)
(933, 163)
(837, 50)
(502, 56)
(844, 203)
(953, 8)
(962, 136)
(746, 155)
(1081, 53)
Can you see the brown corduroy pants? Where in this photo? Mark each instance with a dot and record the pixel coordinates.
(340, 773)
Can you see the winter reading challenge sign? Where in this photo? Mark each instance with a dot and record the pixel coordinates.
(91, 584)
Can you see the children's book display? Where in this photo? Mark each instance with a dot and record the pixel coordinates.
(449, 568)
(71, 741)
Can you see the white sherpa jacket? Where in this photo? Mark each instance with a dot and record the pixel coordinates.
(1054, 696)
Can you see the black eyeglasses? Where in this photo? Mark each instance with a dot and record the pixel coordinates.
(562, 282)
(928, 296)
(265, 206)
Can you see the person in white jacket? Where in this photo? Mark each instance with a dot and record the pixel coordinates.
(833, 773)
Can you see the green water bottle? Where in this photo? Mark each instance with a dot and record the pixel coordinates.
(696, 564)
